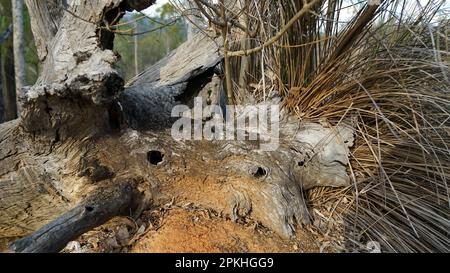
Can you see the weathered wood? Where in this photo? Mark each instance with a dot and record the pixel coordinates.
(43, 25)
(148, 100)
(78, 64)
(234, 185)
(79, 136)
(94, 211)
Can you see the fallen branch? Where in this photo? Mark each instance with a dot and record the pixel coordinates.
(95, 211)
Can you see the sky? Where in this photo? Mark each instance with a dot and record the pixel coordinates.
(346, 14)
(151, 11)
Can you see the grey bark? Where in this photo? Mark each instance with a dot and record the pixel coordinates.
(82, 147)
(19, 47)
(194, 20)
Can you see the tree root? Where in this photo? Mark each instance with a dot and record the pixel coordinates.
(93, 212)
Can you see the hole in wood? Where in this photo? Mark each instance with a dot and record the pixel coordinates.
(155, 157)
(89, 209)
(260, 172)
(301, 163)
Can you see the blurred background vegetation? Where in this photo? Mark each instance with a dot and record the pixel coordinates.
(141, 40)
(32, 62)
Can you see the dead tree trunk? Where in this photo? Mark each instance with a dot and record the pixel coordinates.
(86, 149)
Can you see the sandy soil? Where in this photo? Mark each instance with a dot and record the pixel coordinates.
(190, 229)
(184, 225)
(196, 231)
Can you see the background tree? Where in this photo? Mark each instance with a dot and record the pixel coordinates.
(7, 65)
(7, 59)
(19, 47)
(194, 19)
(155, 37)
(78, 107)
(3, 37)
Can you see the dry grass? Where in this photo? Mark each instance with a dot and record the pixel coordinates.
(391, 83)
(387, 74)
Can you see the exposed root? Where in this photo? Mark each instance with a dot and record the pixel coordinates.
(94, 211)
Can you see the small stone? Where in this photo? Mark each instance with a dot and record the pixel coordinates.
(122, 236)
(141, 230)
(73, 247)
(373, 247)
(112, 243)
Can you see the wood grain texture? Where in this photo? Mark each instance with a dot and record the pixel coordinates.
(79, 141)
(94, 211)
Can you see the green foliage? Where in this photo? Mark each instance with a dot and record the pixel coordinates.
(31, 59)
(160, 35)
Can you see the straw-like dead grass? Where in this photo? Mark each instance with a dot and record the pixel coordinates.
(386, 73)
(391, 83)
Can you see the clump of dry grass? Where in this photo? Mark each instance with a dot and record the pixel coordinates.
(390, 80)
(386, 72)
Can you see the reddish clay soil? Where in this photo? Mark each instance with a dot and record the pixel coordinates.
(195, 231)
